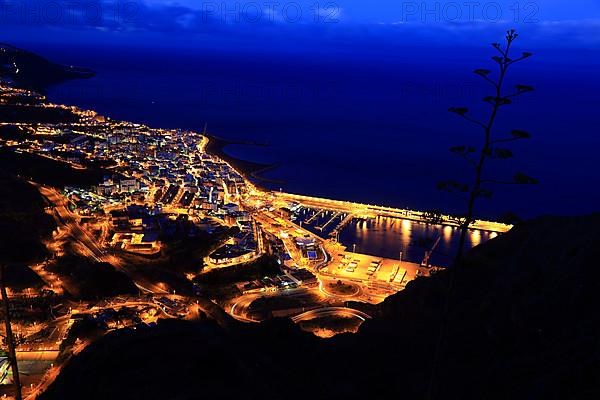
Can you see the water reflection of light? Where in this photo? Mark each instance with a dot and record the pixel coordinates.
(406, 225)
(475, 237)
(447, 234)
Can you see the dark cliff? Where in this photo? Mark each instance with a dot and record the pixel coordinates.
(523, 325)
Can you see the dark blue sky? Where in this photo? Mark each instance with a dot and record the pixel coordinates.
(300, 23)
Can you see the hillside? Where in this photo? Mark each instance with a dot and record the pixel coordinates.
(524, 325)
(32, 71)
(23, 222)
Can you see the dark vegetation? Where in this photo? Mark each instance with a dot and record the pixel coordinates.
(185, 253)
(23, 222)
(19, 277)
(166, 278)
(182, 252)
(35, 72)
(220, 284)
(265, 266)
(526, 326)
(11, 132)
(88, 280)
(33, 114)
(82, 329)
(47, 171)
(341, 288)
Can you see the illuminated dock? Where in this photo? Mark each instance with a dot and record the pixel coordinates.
(369, 210)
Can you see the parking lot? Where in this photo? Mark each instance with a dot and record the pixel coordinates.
(370, 269)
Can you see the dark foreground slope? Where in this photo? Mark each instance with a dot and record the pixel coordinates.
(524, 321)
(23, 222)
(524, 325)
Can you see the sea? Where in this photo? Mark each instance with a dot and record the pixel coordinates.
(368, 126)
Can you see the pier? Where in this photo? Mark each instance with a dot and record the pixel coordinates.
(341, 225)
(314, 217)
(324, 226)
(369, 210)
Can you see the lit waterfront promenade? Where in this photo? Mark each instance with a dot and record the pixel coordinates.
(372, 210)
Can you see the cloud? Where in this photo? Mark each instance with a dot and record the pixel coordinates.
(264, 20)
(160, 16)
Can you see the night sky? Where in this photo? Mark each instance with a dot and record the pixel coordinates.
(283, 24)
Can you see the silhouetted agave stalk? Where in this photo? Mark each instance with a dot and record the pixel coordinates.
(492, 147)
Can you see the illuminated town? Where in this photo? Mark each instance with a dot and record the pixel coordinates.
(307, 200)
(157, 184)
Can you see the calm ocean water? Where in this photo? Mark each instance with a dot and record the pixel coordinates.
(373, 128)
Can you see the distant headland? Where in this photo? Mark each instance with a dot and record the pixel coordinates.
(28, 70)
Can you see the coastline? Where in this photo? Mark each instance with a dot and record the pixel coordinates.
(249, 169)
(251, 172)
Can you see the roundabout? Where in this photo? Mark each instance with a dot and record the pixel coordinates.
(339, 288)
